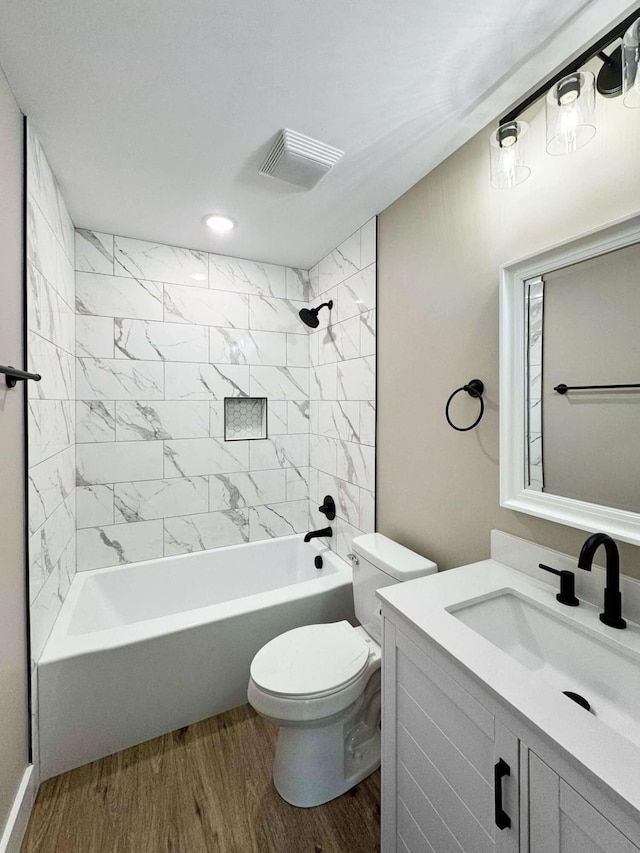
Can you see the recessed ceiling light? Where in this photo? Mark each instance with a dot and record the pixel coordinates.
(219, 224)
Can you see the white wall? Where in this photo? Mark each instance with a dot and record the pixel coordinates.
(51, 417)
(163, 335)
(343, 388)
(440, 247)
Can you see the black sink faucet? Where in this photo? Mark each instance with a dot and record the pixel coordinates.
(317, 534)
(612, 615)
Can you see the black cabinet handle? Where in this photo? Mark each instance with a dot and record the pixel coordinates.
(502, 769)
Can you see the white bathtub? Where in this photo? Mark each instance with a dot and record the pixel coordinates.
(144, 649)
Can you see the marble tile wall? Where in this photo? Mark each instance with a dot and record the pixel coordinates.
(51, 402)
(343, 388)
(163, 334)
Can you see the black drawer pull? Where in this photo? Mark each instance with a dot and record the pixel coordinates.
(502, 769)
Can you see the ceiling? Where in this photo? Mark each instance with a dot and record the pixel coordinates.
(153, 114)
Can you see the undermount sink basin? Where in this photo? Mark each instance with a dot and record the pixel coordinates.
(565, 654)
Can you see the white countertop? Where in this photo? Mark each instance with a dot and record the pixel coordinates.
(599, 749)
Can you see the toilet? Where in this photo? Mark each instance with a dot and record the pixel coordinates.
(321, 684)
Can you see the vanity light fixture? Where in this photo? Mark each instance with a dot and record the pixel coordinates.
(570, 113)
(219, 223)
(631, 66)
(509, 155)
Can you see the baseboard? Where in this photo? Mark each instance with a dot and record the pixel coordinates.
(16, 827)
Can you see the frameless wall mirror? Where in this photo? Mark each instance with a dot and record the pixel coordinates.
(570, 382)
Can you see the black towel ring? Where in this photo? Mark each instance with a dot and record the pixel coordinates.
(475, 388)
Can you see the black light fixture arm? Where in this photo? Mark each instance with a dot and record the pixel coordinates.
(595, 49)
(14, 375)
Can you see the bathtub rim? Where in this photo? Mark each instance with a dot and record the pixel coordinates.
(61, 645)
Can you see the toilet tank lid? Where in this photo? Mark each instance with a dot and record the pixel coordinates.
(392, 558)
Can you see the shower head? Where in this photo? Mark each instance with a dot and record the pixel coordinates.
(309, 316)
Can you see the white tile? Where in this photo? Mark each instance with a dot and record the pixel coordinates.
(65, 277)
(94, 505)
(94, 336)
(297, 284)
(48, 315)
(115, 296)
(298, 416)
(157, 262)
(357, 294)
(234, 491)
(275, 315)
(357, 379)
(314, 349)
(367, 511)
(41, 243)
(314, 282)
(344, 538)
(118, 461)
(279, 383)
(345, 495)
(368, 422)
(48, 544)
(314, 417)
(267, 522)
(297, 351)
(240, 346)
(51, 428)
(203, 456)
(55, 365)
(216, 419)
(205, 307)
(368, 243)
(314, 475)
(281, 451)
(95, 421)
(323, 453)
(149, 499)
(367, 333)
(341, 263)
(339, 419)
(113, 379)
(49, 484)
(201, 532)
(339, 341)
(94, 251)
(205, 381)
(277, 417)
(297, 484)
(144, 421)
(240, 276)
(323, 382)
(356, 464)
(142, 339)
(114, 545)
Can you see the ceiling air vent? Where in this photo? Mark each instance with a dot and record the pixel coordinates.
(299, 160)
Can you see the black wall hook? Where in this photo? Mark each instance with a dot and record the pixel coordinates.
(474, 388)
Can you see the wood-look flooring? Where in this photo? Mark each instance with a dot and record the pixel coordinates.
(203, 789)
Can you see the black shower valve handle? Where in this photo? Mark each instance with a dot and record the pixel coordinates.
(567, 594)
(328, 508)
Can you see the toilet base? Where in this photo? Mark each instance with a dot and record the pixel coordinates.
(315, 765)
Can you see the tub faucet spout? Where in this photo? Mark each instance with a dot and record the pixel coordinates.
(316, 534)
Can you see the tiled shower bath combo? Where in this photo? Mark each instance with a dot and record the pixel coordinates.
(164, 335)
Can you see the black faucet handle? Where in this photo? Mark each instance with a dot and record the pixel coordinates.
(567, 594)
(328, 508)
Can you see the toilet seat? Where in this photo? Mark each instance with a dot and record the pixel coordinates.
(311, 662)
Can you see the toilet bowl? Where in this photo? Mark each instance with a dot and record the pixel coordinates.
(321, 684)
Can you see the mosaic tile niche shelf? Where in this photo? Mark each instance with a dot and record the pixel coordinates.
(245, 418)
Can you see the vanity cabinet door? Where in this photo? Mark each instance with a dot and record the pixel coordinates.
(561, 821)
(446, 751)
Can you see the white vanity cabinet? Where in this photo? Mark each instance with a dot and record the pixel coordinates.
(458, 777)
(562, 821)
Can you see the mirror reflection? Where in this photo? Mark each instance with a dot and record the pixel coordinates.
(583, 380)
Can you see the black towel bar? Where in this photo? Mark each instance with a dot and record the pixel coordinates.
(14, 375)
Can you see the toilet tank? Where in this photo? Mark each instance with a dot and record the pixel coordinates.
(381, 562)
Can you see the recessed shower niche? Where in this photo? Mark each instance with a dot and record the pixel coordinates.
(245, 418)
